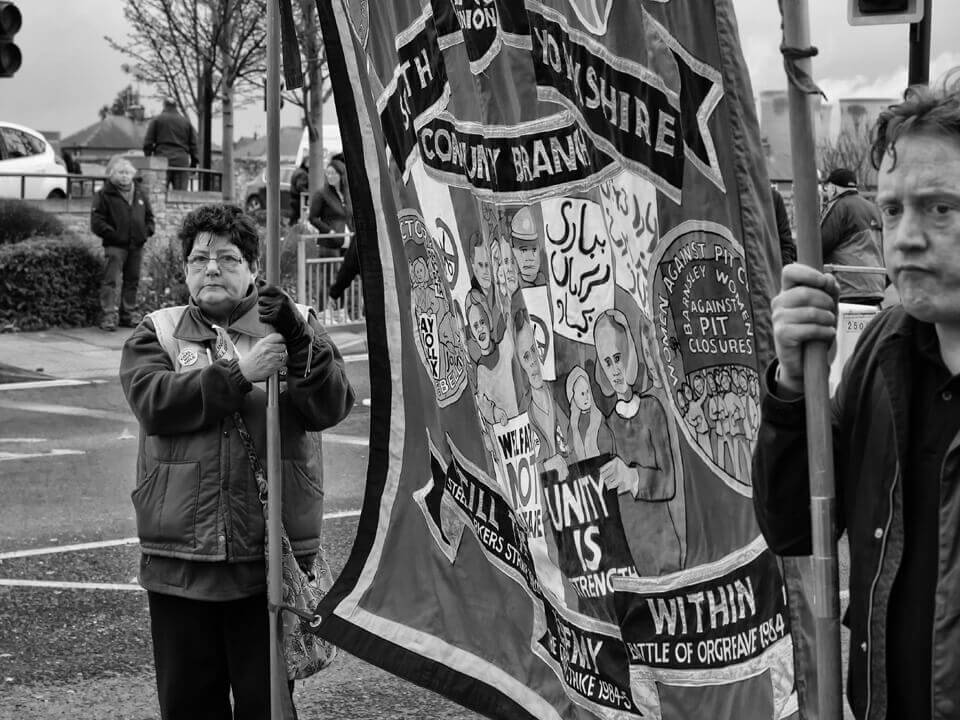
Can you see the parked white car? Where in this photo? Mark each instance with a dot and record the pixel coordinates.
(25, 152)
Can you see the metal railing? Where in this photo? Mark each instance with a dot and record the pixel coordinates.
(315, 277)
(199, 179)
(84, 186)
(76, 187)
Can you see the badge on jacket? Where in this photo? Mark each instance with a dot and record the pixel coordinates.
(187, 357)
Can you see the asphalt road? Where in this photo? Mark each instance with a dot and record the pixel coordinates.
(74, 630)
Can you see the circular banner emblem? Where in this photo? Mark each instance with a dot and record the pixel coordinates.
(705, 339)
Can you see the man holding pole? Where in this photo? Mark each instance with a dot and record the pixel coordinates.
(896, 426)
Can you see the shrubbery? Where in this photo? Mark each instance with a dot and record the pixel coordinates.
(20, 220)
(48, 282)
(161, 276)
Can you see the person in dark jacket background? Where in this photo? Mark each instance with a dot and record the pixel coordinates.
(299, 185)
(896, 426)
(330, 209)
(171, 135)
(850, 235)
(188, 374)
(122, 218)
(788, 248)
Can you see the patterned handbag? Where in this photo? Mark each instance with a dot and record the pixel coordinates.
(305, 652)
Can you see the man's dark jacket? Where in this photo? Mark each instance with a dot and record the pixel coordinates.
(788, 248)
(870, 434)
(850, 233)
(171, 135)
(119, 223)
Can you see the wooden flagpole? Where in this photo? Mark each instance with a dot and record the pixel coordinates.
(816, 372)
(278, 671)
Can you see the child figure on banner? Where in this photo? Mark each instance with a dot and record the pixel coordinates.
(591, 436)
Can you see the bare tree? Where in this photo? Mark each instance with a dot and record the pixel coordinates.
(316, 88)
(850, 150)
(123, 104)
(195, 50)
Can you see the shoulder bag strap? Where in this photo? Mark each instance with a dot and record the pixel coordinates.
(259, 474)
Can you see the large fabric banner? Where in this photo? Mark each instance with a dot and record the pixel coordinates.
(567, 248)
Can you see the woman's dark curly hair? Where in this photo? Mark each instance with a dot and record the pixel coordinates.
(934, 110)
(221, 219)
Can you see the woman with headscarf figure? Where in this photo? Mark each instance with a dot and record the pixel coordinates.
(643, 472)
(590, 435)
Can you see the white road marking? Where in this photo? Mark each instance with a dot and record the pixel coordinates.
(66, 410)
(67, 548)
(4, 456)
(39, 384)
(359, 357)
(122, 541)
(341, 514)
(63, 585)
(23, 440)
(346, 439)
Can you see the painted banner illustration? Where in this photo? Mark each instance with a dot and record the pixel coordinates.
(566, 243)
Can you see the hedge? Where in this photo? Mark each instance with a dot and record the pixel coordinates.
(48, 282)
(162, 283)
(20, 220)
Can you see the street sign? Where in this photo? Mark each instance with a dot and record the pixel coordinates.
(884, 12)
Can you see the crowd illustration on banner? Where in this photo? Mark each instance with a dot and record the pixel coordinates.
(721, 406)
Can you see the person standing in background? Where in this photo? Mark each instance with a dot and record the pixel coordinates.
(171, 135)
(330, 209)
(788, 248)
(122, 218)
(299, 185)
(851, 235)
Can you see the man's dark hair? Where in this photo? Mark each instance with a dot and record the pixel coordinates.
(933, 110)
(221, 219)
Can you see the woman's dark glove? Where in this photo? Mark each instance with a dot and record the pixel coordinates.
(278, 310)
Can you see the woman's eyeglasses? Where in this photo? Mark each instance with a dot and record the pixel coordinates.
(224, 262)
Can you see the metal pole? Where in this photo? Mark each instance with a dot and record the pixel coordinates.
(919, 73)
(816, 373)
(278, 670)
(301, 270)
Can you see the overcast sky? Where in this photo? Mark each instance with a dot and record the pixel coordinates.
(69, 71)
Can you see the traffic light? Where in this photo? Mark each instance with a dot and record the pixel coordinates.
(884, 12)
(10, 22)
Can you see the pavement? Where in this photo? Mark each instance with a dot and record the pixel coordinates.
(86, 353)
